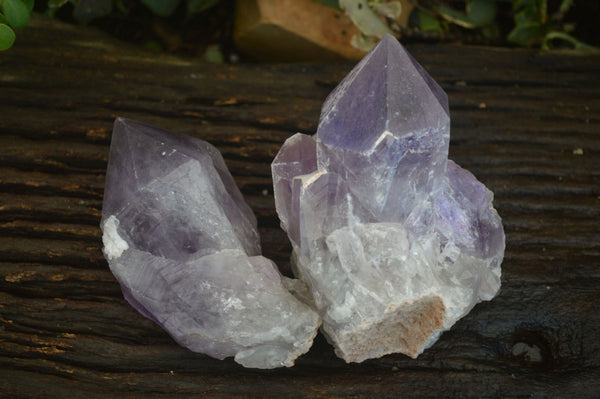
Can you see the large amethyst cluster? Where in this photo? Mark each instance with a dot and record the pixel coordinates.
(395, 241)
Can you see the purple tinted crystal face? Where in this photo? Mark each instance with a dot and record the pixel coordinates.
(186, 214)
(184, 246)
(395, 242)
(463, 214)
(140, 153)
(155, 176)
(325, 204)
(297, 156)
(386, 91)
(386, 125)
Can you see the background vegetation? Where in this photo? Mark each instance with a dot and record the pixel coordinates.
(203, 27)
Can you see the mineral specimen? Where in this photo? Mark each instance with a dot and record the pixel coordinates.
(395, 242)
(184, 246)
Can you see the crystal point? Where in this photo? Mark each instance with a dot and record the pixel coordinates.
(184, 246)
(388, 91)
(384, 127)
(395, 242)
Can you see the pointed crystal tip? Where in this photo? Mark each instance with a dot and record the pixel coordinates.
(153, 175)
(388, 91)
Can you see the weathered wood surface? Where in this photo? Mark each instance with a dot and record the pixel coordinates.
(520, 120)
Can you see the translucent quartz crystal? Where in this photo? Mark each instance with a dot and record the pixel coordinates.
(184, 246)
(385, 130)
(395, 242)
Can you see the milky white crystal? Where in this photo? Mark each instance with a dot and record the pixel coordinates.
(395, 242)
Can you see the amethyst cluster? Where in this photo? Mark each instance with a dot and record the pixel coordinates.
(395, 241)
(392, 242)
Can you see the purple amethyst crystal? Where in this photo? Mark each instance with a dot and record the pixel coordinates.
(395, 242)
(385, 129)
(184, 246)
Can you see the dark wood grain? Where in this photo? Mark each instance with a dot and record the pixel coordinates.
(525, 123)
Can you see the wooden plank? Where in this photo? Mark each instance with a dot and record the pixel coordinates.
(526, 123)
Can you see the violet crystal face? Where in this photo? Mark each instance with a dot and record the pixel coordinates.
(184, 246)
(395, 242)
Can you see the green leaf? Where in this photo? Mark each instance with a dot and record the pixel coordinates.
(527, 15)
(3, 19)
(390, 9)
(330, 3)
(527, 34)
(478, 13)
(565, 5)
(16, 13)
(456, 17)
(7, 37)
(162, 8)
(428, 23)
(29, 4)
(197, 6)
(482, 12)
(365, 18)
(555, 39)
(57, 3)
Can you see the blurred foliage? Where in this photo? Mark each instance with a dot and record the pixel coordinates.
(14, 14)
(85, 11)
(528, 23)
(534, 25)
(165, 8)
(370, 21)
